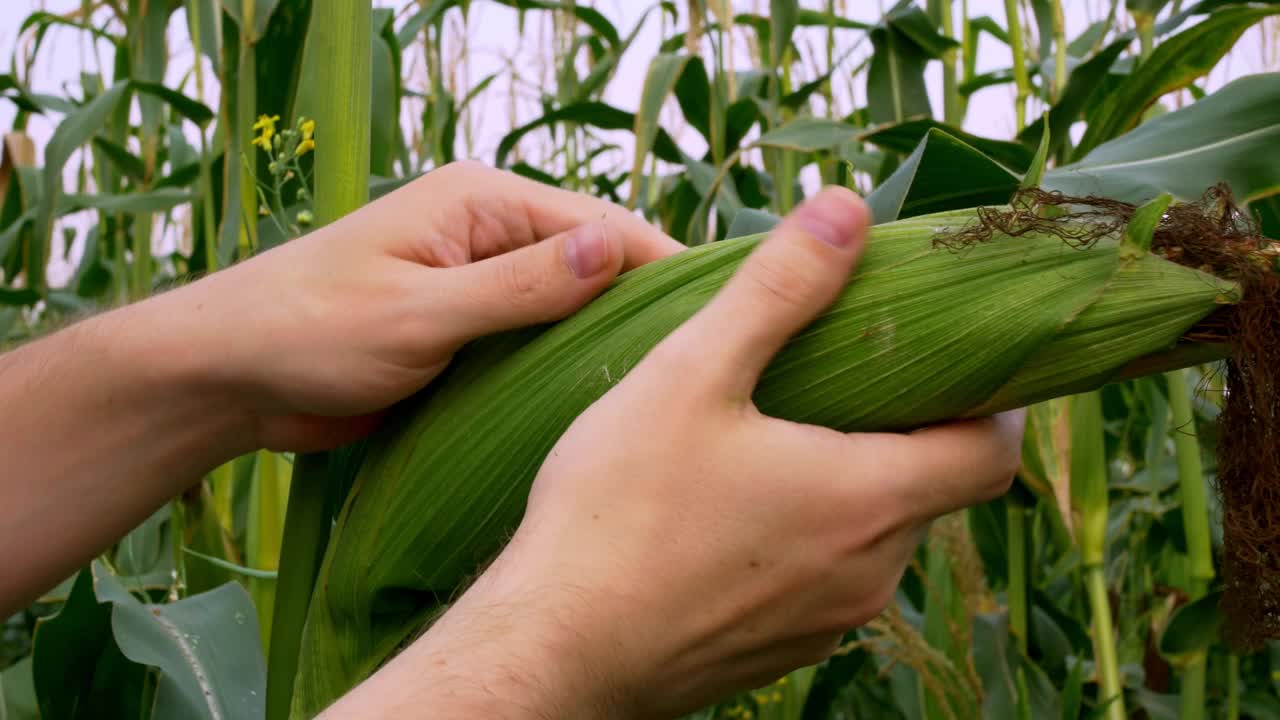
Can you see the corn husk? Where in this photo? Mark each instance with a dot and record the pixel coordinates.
(922, 334)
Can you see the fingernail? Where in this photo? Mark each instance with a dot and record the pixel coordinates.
(834, 216)
(586, 253)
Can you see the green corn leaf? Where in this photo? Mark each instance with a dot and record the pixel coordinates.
(782, 19)
(1082, 88)
(1192, 629)
(1035, 172)
(905, 137)
(595, 114)
(808, 135)
(1175, 64)
(259, 14)
(664, 72)
(77, 666)
(233, 567)
(1229, 136)
(428, 15)
(205, 648)
(943, 173)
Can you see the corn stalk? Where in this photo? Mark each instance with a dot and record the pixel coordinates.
(341, 33)
(1195, 523)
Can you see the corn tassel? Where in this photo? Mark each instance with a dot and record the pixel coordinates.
(922, 334)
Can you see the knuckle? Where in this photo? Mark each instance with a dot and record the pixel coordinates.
(518, 284)
(782, 280)
(459, 169)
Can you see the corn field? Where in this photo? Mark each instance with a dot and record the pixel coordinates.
(1043, 176)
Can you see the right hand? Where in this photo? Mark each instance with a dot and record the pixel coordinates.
(680, 546)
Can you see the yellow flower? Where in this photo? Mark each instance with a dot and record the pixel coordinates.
(308, 128)
(267, 126)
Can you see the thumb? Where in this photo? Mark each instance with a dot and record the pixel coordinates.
(535, 284)
(781, 287)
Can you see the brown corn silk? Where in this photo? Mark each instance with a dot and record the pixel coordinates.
(922, 334)
(1214, 236)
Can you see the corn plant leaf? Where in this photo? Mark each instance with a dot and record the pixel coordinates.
(18, 692)
(75, 130)
(428, 15)
(943, 173)
(716, 187)
(903, 44)
(181, 176)
(1082, 88)
(905, 137)
(782, 18)
(588, 16)
(595, 114)
(205, 648)
(261, 10)
(1150, 8)
(1035, 171)
(832, 677)
(604, 68)
(1073, 691)
(279, 57)
(18, 95)
(665, 71)
(999, 664)
(385, 133)
(1193, 628)
(139, 552)
(808, 135)
(1002, 76)
(1229, 136)
(804, 17)
(1042, 11)
(204, 25)
(42, 21)
(149, 201)
(750, 221)
(1174, 64)
(77, 669)
(204, 533)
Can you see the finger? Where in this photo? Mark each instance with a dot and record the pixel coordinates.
(551, 210)
(948, 467)
(535, 284)
(501, 211)
(784, 284)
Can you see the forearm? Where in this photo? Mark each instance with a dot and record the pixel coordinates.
(498, 653)
(102, 423)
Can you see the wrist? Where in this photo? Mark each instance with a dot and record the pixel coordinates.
(159, 346)
(505, 650)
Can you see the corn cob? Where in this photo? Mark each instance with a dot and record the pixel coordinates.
(920, 335)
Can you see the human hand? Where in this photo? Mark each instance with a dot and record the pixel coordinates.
(678, 544)
(318, 335)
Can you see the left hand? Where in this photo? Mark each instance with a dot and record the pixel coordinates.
(314, 338)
